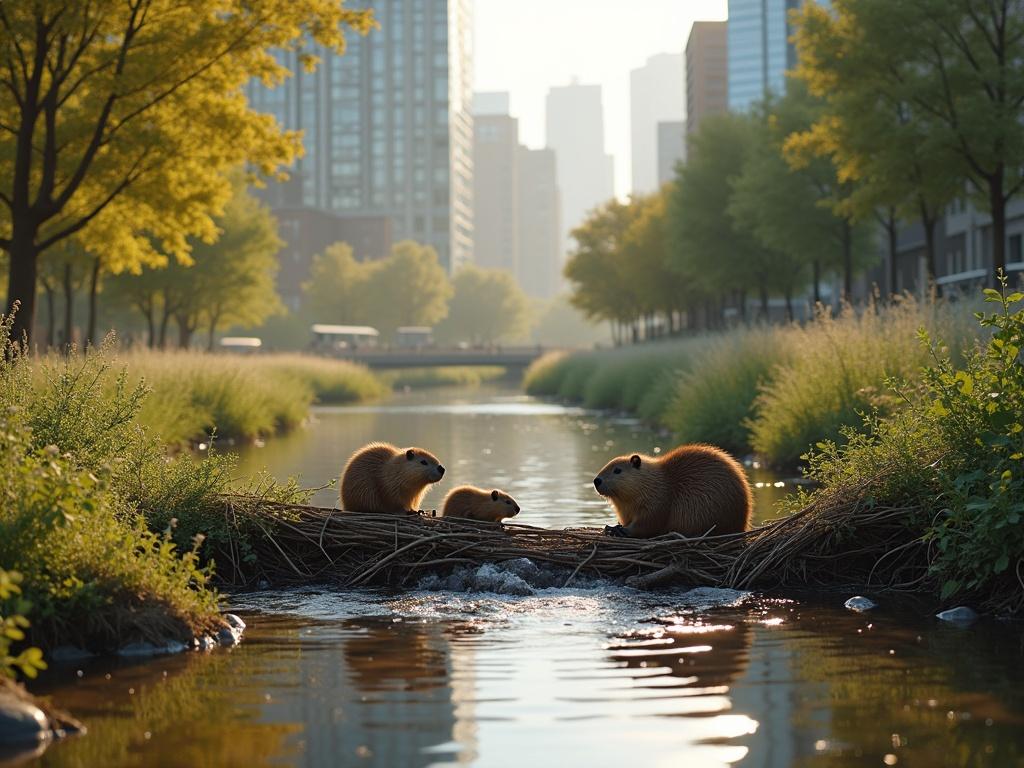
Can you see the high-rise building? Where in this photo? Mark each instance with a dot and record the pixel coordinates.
(760, 49)
(671, 149)
(387, 128)
(656, 94)
(496, 192)
(575, 130)
(707, 74)
(540, 229)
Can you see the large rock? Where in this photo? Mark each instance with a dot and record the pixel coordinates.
(859, 603)
(22, 723)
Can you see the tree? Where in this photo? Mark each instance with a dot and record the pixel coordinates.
(900, 168)
(118, 118)
(409, 287)
(232, 279)
(336, 291)
(708, 248)
(950, 68)
(487, 306)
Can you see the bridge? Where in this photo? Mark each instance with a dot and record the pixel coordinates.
(436, 357)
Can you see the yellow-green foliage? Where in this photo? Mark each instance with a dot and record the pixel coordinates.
(838, 368)
(444, 376)
(194, 394)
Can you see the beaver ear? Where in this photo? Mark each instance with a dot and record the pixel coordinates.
(410, 454)
(635, 461)
(494, 495)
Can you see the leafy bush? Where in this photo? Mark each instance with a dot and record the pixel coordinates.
(13, 623)
(954, 454)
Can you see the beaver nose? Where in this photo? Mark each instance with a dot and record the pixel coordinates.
(597, 482)
(517, 509)
(440, 470)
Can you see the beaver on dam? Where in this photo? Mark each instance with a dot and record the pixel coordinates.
(477, 504)
(382, 478)
(692, 490)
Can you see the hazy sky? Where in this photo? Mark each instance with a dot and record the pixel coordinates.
(526, 46)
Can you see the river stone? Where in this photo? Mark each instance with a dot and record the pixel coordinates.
(22, 723)
(961, 615)
(234, 621)
(860, 604)
(206, 643)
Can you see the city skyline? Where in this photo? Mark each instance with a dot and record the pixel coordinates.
(605, 55)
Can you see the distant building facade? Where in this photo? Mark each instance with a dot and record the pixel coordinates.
(387, 128)
(575, 131)
(307, 232)
(656, 94)
(540, 223)
(707, 72)
(496, 192)
(671, 149)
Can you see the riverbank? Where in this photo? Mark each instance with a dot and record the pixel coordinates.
(772, 391)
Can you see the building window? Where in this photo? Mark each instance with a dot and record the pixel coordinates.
(1015, 255)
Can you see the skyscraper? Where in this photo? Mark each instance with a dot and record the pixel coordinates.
(387, 128)
(706, 72)
(671, 149)
(656, 94)
(759, 50)
(575, 130)
(496, 192)
(540, 235)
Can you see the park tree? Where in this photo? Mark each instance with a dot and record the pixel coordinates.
(118, 119)
(336, 291)
(598, 273)
(945, 75)
(409, 287)
(709, 249)
(487, 306)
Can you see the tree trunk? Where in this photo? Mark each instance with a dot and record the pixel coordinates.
(212, 330)
(21, 283)
(162, 337)
(847, 261)
(817, 282)
(94, 279)
(69, 307)
(762, 286)
(891, 231)
(150, 326)
(789, 304)
(928, 221)
(185, 329)
(51, 314)
(743, 306)
(997, 202)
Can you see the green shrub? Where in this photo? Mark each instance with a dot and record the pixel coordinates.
(443, 376)
(544, 375)
(712, 402)
(13, 624)
(837, 371)
(954, 454)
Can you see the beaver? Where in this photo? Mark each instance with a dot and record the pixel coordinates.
(477, 504)
(382, 478)
(692, 490)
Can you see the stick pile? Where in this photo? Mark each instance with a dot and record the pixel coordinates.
(832, 542)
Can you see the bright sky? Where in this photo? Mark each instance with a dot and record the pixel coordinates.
(526, 46)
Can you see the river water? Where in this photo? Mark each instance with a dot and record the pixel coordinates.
(494, 667)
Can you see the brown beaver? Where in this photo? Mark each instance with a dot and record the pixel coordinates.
(692, 490)
(477, 504)
(382, 478)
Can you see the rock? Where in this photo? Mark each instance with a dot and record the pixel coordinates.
(959, 615)
(22, 724)
(136, 650)
(66, 654)
(860, 604)
(234, 621)
(206, 643)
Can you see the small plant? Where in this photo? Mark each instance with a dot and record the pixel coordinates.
(12, 630)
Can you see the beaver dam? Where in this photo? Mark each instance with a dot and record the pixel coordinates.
(831, 543)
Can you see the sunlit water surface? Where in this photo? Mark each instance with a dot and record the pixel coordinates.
(502, 666)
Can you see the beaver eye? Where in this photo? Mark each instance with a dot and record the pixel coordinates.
(423, 462)
(618, 471)
(507, 501)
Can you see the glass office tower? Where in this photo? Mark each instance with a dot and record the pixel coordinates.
(387, 128)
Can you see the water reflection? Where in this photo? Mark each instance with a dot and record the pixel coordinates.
(544, 454)
(595, 676)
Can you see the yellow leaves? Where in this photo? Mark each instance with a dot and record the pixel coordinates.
(966, 382)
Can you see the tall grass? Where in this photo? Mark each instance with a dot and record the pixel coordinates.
(193, 395)
(771, 390)
(441, 376)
